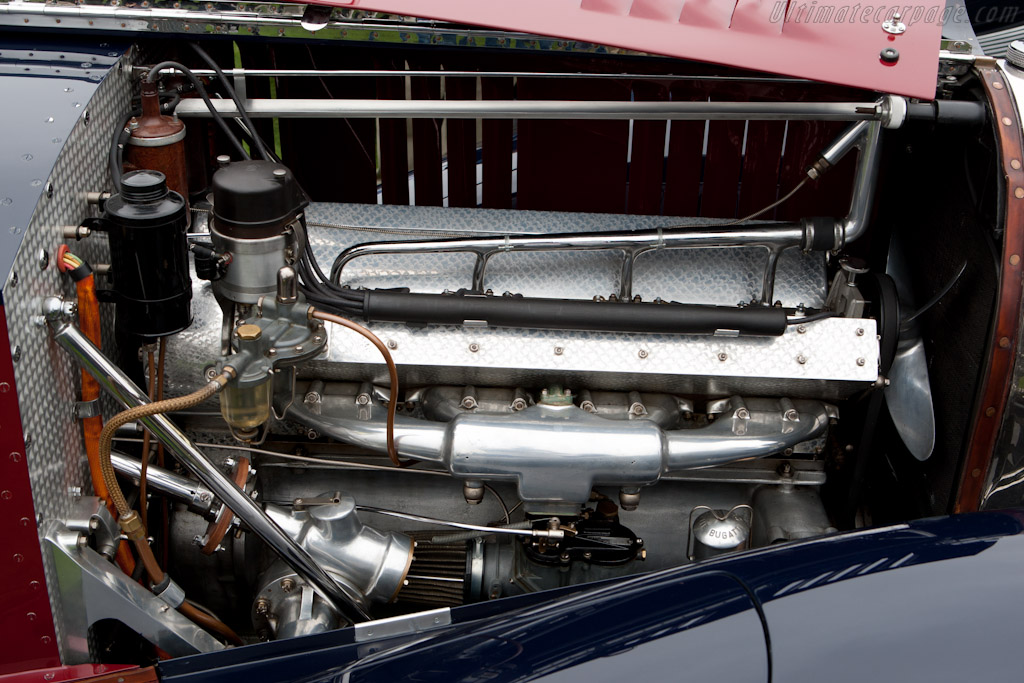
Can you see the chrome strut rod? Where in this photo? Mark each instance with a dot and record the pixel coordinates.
(116, 383)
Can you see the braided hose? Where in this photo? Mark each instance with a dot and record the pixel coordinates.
(136, 413)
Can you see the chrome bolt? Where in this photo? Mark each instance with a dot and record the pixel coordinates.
(860, 331)
(723, 356)
(392, 344)
(287, 585)
(801, 359)
(801, 329)
(474, 347)
(861, 361)
(642, 353)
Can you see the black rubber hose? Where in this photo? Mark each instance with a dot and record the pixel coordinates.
(565, 314)
(121, 136)
(154, 73)
(226, 84)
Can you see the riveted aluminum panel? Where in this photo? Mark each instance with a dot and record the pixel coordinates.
(840, 356)
(48, 383)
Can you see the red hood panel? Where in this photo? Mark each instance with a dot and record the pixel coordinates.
(837, 41)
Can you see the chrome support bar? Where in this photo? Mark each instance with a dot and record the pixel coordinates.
(115, 382)
(401, 73)
(542, 109)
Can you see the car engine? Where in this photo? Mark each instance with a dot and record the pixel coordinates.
(301, 415)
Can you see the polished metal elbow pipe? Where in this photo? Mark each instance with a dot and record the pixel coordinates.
(115, 382)
(198, 498)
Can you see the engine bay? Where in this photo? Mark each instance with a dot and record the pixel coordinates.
(290, 416)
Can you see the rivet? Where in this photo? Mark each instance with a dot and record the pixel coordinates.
(15, 457)
(860, 331)
(1019, 193)
(1014, 259)
(5, 494)
(976, 473)
(43, 259)
(801, 359)
(474, 347)
(861, 361)
(45, 640)
(1004, 342)
(997, 85)
(1006, 121)
(642, 353)
(990, 412)
(392, 344)
(49, 190)
(723, 356)
(1015, 164)
(559, 350)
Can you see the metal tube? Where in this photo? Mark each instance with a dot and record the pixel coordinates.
(771, 236)
(396, 73)
(541, 109)
(118, 385)
(198, 498)
(856, 222)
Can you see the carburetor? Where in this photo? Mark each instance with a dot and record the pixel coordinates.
(281, 334)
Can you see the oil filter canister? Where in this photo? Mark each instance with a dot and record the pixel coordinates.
(146, 222)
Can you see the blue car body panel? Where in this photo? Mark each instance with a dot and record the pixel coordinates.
(933, 600)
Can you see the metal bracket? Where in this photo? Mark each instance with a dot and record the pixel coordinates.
(87, 409)
(92, 589)
(404, 625)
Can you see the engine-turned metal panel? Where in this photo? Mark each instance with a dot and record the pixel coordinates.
(48, 382)
(829, 358)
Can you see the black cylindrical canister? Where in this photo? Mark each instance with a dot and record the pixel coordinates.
(147, 225)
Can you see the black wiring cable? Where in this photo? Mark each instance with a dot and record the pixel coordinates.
(821, 315)
(261, 147)
(121, 136)
(154, 73)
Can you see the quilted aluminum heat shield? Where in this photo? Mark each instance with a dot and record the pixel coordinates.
(829, 359)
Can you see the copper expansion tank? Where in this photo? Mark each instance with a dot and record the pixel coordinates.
(157, 142)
